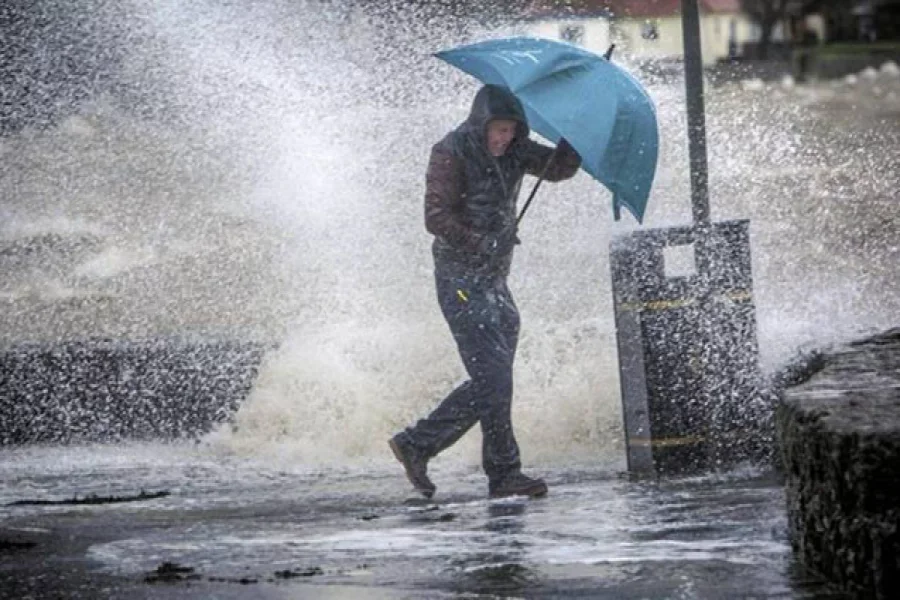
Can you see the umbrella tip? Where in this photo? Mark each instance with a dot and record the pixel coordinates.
(609, 52)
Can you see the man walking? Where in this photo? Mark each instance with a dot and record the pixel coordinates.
(472, 184)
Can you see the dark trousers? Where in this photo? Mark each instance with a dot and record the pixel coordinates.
(484, 321)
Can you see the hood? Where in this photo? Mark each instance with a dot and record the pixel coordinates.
(495, 102)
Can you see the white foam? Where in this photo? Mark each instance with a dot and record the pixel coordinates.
(889, 69)
(115, 260)
(868, 74)
(753, 85)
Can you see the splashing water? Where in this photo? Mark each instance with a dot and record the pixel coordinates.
(261, 176)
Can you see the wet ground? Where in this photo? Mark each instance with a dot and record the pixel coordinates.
(230, 528)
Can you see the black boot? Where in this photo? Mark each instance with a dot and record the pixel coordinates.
(518, 484)
(416, 466)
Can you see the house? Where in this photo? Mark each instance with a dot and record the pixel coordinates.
(644, 28)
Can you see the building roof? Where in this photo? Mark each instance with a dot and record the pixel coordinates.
(549, 9)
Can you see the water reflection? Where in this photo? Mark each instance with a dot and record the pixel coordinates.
(502, 569)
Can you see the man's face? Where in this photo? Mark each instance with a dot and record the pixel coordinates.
(500, 132)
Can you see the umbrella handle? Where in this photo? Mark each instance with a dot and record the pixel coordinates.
(537, 185)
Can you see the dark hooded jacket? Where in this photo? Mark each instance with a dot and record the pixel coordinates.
(470, 194)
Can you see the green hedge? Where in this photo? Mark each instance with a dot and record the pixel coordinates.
(857, 48)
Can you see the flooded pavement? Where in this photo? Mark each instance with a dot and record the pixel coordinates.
(233, 528)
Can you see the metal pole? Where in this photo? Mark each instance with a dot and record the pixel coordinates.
(537, 185)
(701, 351)
(693, 82)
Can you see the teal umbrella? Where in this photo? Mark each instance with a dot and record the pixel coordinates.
(569, 92)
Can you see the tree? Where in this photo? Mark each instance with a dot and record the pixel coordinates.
(766, 14)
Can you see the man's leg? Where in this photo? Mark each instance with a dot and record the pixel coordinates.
(452, 418)
(460, 410)
(500, 451)
(457, 412)
(485, 324)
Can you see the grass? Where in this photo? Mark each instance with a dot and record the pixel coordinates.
(857, 48)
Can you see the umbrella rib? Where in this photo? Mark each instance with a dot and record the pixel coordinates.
(561, 73)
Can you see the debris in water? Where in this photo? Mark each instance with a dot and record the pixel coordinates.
(93, 499)
(13, 545)
(169, 572)
(308, 572)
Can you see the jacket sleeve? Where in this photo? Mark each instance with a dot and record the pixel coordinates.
(444, 201)
(565, 164)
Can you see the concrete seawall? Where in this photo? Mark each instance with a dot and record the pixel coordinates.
(839, 442)
(104, 390)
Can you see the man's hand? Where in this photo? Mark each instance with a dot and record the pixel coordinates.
(564, 147)
(501, 242)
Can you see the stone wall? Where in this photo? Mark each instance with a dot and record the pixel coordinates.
(839, 443)
(104, 390)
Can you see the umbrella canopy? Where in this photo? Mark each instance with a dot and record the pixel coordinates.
(569, 92)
